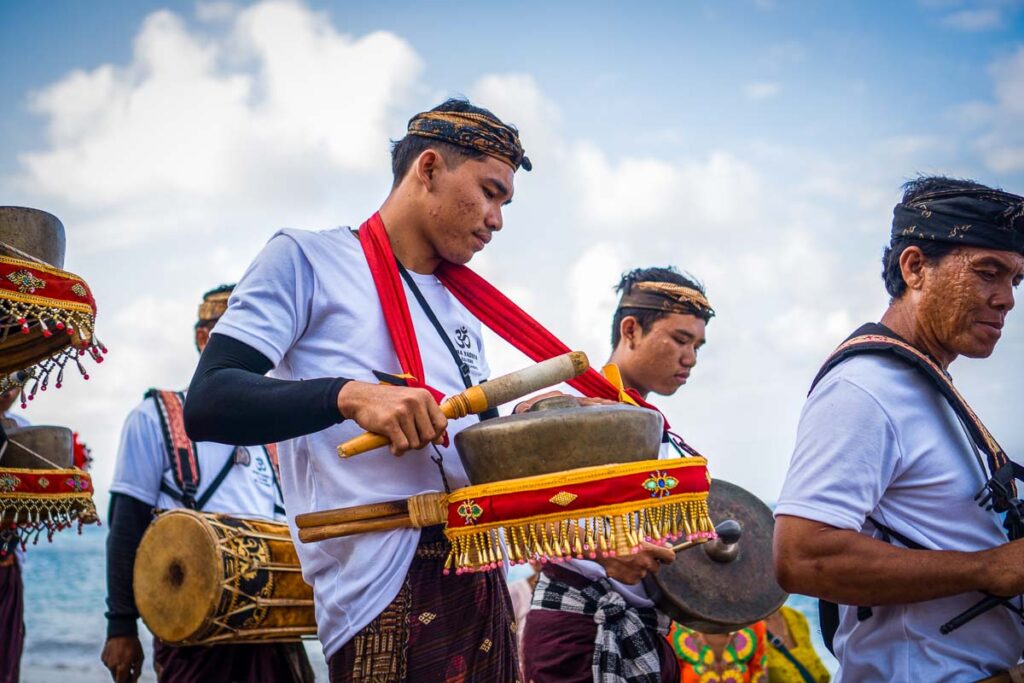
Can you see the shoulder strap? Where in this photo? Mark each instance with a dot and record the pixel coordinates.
(467, 379)
(275, 472)
(780, 646)
(876, 338)
(181, 451)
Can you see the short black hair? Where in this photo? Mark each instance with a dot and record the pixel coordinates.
(933, 251)
(643, 316)
(408, 149)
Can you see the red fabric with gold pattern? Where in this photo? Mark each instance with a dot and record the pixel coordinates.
(576, 513)
(37, 500)
(50, 316)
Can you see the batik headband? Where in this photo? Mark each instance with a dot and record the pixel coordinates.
(474, 131)
(213, 306)
(668, 298)
(992, 219)
(47, 317)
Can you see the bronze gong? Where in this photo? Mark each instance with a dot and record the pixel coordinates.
(718, 587)
(555, 435)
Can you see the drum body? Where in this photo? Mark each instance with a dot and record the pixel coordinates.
(202, 579)
(722, 596)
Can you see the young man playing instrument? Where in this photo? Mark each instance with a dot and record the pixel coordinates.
(150, 475)
(325, 311)
(879, 510)
(657, 330)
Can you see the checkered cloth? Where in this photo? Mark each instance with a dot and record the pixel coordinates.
(624, 649)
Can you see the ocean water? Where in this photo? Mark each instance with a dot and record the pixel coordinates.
(65, 592)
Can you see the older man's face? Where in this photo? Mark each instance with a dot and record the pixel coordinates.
(966, 298)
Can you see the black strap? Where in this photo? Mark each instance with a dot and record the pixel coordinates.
(467, 379)
(777, 643)
(883, 340)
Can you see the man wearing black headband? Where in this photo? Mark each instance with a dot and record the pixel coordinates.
(878, 512)
(657, 330)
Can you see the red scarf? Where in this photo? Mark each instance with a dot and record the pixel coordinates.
(482, 299)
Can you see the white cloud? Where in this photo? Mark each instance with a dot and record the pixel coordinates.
(981, 19)
(1002, 141)
(761, 91)
(273, 105)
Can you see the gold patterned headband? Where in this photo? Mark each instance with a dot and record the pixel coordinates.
(667, 297)
(213, 306)
(481, 132)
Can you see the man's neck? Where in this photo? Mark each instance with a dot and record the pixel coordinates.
(405, 233)
(628, 381)
(901, 317)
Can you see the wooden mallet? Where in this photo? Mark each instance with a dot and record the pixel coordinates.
(493, 393)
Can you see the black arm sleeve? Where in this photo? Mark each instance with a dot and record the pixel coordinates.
(230, 401)
(128, 518)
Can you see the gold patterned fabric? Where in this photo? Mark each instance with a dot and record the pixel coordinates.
(481, 132)
(667, 297)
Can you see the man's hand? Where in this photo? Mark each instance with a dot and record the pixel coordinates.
(584, 401)
(631, 569)
(408, 417)
(122, 655)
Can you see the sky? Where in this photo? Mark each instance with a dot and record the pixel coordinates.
(758, 144)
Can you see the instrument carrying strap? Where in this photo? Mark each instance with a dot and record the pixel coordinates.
(182, 453)
(877, 338)
(780, 646)
(181, 450)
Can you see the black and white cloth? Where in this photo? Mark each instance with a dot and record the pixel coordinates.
(624, 648)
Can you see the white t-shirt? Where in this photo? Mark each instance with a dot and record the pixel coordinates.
(308, 303)
(877, 438)
(142, 464)
(634, 594)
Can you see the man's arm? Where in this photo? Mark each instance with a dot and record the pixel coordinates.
(128, 519)
(849, 568)
(230, 401)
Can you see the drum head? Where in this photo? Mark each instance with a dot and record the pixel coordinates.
(716, 597)
(178, 575)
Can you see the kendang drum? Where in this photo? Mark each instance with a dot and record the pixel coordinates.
(728, 583)
(202, 579)
(47, 315)
(41, 488)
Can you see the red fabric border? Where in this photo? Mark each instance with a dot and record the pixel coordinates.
(58, 287)
(29, 482)
(606, 491)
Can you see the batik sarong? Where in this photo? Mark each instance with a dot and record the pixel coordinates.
(457, 628)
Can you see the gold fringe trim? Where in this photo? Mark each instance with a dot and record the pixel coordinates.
(31, 515)
(580, 534)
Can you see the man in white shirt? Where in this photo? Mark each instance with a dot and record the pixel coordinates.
(878, 511)
(235, 480)
(657, 330)
(310, 310)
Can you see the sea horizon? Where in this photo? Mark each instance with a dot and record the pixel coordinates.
(65, 602)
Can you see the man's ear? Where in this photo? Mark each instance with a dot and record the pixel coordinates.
(427, 165)
(629, 331)
(912, 267)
